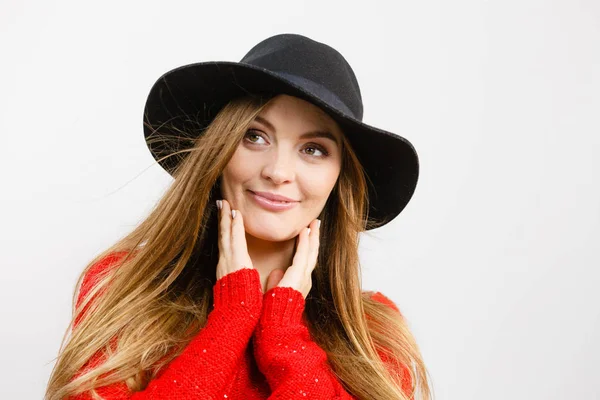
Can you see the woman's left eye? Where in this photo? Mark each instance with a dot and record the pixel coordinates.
(318, 148)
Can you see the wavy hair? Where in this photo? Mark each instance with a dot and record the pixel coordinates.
(142, 313)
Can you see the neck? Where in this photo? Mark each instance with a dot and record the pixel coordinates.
(268, 256)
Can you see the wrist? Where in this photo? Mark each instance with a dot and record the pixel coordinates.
(282, 306)
(239, 289)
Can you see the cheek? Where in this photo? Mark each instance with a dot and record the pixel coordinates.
(238, 170)
(318, 190)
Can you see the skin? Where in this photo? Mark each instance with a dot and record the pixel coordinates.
(276, 159)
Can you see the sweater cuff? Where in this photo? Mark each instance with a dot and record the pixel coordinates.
(238, 288)
(282, 306)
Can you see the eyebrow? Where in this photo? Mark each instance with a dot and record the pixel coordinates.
(307, 135)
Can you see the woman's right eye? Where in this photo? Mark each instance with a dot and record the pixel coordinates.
(253, 134)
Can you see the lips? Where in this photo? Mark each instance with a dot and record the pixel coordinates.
(272, 205)
(273, 196)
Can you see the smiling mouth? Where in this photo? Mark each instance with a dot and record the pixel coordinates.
(272, 205)
(273, 200)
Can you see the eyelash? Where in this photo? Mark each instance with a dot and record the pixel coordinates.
(312, 145)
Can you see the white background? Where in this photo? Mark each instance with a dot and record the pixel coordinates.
(495, 260)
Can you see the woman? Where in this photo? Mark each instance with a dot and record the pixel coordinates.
(228, 290)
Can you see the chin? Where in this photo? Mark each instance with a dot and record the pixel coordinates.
(271, 235)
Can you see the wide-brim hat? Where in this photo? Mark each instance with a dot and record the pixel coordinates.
(283, 64)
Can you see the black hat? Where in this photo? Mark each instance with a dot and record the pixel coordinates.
(298, 66)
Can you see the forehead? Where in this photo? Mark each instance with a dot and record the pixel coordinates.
(285, 110)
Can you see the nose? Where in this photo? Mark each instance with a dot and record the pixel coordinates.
(279, 167)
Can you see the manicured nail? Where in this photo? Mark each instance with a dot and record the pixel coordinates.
(308, 231)
(219, 204)
(233, 213)
(318, 223)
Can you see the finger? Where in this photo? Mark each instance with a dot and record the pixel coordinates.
(225, 228)
(301, 255)
(239, 247)
(313, 239)
(219, 206)
(274, 278)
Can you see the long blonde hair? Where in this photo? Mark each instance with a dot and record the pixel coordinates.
(160, 294)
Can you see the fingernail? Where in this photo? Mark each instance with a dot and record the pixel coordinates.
(318, 223)
(308, 232)
(219, 204)
(233, 213)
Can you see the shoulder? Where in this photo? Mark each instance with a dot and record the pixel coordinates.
(383, 299)
(97, 270)
(91, 276)
(103, 265)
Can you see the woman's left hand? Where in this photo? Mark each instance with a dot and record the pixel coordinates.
(298, 275)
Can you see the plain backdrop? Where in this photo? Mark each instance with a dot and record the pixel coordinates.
(495, 260)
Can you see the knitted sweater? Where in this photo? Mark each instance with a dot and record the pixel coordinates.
(252, 347)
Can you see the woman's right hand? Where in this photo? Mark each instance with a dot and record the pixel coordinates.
(233, 250)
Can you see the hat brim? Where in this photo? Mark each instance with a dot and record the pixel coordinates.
(202, 89)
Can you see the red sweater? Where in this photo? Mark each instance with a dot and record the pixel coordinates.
(252, 347)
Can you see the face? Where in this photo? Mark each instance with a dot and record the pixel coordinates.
(291, 149)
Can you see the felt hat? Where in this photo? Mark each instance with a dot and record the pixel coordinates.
(289, 64)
